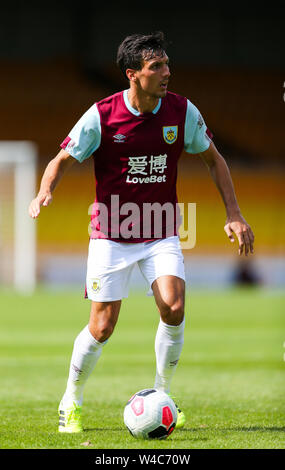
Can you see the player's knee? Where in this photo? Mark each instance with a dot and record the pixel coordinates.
(173, 314)
(102, 331)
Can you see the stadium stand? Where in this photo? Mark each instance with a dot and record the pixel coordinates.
(244, 109)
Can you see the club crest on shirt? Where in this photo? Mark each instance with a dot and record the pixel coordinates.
(96, 284)
(170, 134)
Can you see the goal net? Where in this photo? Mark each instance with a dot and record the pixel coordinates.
(17, 229)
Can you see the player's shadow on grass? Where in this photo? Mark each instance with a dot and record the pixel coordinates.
(124, 429)
(182, 437)
(206, 428)
(256, 428)
(103, 429)
(185, 433)
(236, 428)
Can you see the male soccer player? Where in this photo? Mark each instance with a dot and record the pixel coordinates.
(136, 137)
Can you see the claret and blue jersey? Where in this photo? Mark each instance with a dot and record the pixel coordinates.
(136, 154)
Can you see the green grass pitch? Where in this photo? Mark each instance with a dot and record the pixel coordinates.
(230, 380)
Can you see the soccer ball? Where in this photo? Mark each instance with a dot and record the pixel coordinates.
(150, 414)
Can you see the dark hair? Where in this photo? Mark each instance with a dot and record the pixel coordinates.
(137, 47)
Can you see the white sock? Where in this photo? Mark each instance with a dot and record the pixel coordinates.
(86, 352)
(168, 346)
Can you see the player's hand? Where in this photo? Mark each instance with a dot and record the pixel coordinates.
(238, 226)
(40, 200)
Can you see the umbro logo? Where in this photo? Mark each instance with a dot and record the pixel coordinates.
(173, 363)
(76, 369)
(119, 138)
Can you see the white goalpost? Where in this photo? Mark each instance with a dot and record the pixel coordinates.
(18, 160)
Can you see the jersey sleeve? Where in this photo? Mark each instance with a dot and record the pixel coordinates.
(197, 137)
(85, 137)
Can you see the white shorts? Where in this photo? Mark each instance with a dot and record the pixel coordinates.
(110, 265)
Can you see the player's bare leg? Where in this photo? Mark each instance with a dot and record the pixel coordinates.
(86, 352)
(103, 319)
(169, 292)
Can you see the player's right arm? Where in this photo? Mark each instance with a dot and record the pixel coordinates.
(52, 175)
(81, 142)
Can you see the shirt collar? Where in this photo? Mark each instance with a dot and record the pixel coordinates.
(135, 111)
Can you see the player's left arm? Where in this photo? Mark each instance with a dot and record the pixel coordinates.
(235, 223)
